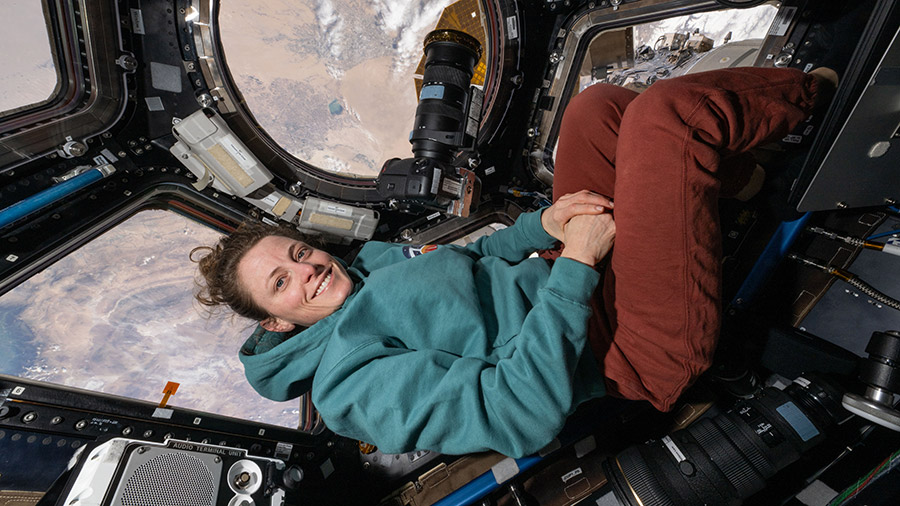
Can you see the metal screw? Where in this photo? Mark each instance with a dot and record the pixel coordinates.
(841, 205)
(142, 449)
(187, 47)
(80, 424)
(29, 417)
(148, 433)
(295, 188)
(122, 154)
(889, 201)
(56, 420)
(127, 431)
(218, 459)
(406, 234)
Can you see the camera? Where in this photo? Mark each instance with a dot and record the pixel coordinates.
(725, 459)
(447, 119)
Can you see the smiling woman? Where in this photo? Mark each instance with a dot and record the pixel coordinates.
(330, 81)
(293, 282)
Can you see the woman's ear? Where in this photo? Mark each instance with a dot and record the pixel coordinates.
(274, 324)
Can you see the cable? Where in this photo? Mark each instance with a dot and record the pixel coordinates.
(883, 234)
(889, 247)
(885, 467)
(850, 278)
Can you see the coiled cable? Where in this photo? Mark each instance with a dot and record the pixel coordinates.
(850, 278)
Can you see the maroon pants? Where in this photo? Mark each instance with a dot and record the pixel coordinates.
(665, 156)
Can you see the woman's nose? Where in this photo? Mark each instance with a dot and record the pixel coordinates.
(306, 270)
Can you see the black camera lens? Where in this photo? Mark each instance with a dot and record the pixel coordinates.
(441, 115)
(725, 459)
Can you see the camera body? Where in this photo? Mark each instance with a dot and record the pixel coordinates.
(429, 183)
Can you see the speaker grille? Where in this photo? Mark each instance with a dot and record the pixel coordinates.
(170, 479)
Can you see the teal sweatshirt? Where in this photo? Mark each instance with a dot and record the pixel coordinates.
(452, 349)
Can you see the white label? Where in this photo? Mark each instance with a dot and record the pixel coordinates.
(673, 449)
(270, 199)
(197, 420)
(512, 28)
(283, 451)
(18, 390)
(490, 170)
(803, 382)
(505, 469)
(571, 474)
(165, 413)
(433, 216)
(137, 21)
(793, 139)
(11, 258)
(262, 432)
(333, 209)
(234, 149)
(782, 21)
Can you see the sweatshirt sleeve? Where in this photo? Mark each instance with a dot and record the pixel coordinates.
(401, 399)
(515, 243)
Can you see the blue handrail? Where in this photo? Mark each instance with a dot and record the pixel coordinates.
(53, 194)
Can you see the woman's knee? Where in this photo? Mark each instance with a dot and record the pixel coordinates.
(598, 103)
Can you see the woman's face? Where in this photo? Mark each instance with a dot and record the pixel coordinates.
(294, 282)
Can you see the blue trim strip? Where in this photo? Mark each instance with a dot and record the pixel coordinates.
(481, 486)
(778, 246)
(46, 197)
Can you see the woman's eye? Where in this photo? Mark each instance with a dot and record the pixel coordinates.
(301, 254)
(279, 283)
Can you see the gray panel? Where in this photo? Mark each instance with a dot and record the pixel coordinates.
(165, 77)
(863, 166)
(156, 476)
(154, 104)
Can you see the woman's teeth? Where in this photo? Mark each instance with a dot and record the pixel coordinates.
(324, 285)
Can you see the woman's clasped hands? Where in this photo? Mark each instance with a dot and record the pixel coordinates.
(585, 225)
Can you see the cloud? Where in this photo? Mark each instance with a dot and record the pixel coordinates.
(331, 24)
(407, 23)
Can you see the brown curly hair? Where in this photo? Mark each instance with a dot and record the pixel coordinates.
(218, 267)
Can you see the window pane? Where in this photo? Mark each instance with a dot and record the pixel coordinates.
(117, 316)
(29, 75)
(331, 81)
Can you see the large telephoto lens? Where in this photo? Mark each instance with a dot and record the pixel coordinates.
(439, 128)
(724, 459)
